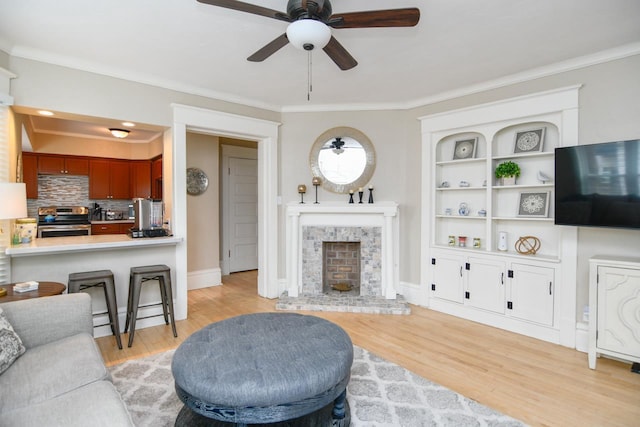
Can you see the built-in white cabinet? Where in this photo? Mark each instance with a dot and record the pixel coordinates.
(465, 208)
(614, 304)
(486, 282)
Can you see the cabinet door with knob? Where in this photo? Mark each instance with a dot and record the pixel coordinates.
(485, 287)
(62, 165)
(531, 293)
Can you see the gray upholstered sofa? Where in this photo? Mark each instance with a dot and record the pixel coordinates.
(61, 379)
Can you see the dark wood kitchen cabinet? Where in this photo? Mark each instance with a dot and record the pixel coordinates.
(62, 165)
(111, 228)
(156, 178)
(140, 179)
(30, 174)
(109, 179)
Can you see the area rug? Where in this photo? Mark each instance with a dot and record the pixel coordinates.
(380, 393)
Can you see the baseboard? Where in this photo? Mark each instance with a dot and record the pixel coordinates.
(582, 337)
(204, 278)
(414, 293)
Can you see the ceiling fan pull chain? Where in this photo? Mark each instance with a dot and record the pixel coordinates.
(309, 76)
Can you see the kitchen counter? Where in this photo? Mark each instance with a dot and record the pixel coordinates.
(57, 245)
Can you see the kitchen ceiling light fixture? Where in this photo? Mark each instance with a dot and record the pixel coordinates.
(119, 133)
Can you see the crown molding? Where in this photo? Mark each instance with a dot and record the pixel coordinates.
(608, 55)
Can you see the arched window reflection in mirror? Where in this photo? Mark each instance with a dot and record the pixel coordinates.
(343, 158)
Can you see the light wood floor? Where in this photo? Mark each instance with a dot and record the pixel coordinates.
(539, 383)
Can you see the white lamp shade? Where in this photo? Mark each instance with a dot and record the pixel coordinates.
(13, 200)
(307, 34)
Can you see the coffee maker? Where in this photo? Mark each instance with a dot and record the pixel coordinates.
(149, 215)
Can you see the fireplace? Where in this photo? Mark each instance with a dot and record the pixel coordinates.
(374, 226)
(315, 230)
(341, 268)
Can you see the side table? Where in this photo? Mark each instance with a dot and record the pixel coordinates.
(45, 289)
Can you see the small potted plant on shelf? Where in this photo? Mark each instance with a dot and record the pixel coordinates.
(507, 172)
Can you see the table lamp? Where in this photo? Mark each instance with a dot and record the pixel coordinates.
(14, 203)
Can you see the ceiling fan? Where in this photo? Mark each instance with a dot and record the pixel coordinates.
(307, 17)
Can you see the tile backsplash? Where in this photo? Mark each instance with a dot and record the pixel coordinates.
(69, 190)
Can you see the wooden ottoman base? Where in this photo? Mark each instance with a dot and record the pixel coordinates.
(321, 418)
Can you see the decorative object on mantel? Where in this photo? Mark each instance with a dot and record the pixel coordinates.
(360, 194)
(301, 190)
(371, 194)
(477, 243)
(462, 241)
(528, 245)
(507, 172)
(529, 141)
(350, 196)
(316, 181)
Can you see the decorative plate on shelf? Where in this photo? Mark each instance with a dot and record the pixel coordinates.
(465, 149)
(197, 181)
(529, 140)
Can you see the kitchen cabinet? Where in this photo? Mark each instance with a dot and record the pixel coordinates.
(65, 165)
(156, 178)
(30, 174)
(111, 228)
(109, 179)
(140, 179)
(614, 304)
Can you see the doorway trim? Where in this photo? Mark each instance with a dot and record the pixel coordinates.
(265, 132)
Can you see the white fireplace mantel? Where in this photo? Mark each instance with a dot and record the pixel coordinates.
(384, 215)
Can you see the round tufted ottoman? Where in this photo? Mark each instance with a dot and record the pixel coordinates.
(264, 368)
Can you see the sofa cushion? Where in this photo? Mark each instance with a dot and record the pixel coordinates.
(11, 346)
(97, 405)
(49, 370)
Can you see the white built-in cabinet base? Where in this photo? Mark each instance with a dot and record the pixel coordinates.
(614, 306)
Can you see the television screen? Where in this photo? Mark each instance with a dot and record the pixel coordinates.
(598, 185)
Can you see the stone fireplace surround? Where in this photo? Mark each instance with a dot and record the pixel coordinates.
(374, 225)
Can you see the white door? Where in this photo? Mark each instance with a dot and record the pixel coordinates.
(242, 208)
(532, 293)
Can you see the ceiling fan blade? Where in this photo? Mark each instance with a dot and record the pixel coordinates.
(407, 17)
(249, 8)
(271, 48)
(339, 54)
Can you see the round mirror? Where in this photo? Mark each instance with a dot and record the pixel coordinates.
(343, 158)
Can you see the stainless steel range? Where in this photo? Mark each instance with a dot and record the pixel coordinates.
(58, 221)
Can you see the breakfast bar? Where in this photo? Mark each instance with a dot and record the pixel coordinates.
(54, 259)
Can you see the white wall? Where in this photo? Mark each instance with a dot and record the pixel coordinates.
(608, 105)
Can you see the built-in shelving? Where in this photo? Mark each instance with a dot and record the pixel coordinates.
(529, 294)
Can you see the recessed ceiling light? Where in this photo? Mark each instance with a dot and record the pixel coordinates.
(128, 124)
(45, 113)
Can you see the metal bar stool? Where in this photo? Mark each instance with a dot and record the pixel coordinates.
(140, 275)
(102, 278)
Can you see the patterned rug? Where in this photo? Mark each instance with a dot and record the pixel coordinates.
(380, 393)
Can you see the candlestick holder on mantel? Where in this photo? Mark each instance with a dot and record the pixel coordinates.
(316, 181)
(301, 190)
(371, 194)
(350, 196)
(360, 194)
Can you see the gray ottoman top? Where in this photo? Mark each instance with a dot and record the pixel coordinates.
(263, 359)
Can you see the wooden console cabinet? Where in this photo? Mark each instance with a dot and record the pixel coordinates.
(614, 304)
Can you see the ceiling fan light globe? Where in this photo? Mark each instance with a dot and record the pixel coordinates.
(308, 34)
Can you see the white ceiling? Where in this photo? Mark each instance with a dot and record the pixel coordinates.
(457, 47)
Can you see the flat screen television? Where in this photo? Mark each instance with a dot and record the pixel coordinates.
(598, 185)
